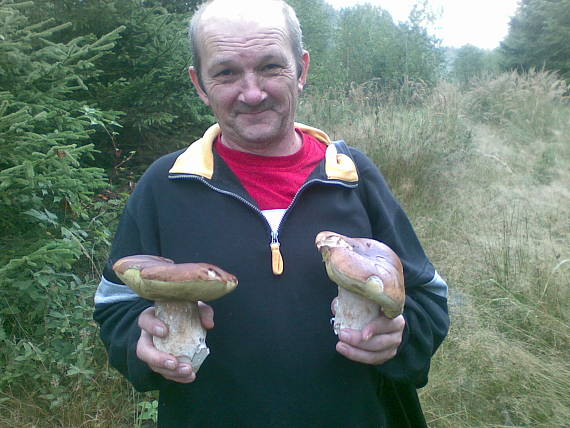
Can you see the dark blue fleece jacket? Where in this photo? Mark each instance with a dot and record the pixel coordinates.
(273, 361)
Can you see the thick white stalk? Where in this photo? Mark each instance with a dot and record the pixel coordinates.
(186, 338)
(353, 311)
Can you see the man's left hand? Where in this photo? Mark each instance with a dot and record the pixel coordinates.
(377, 342)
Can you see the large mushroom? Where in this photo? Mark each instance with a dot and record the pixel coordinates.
(176, 289)
(369, 276)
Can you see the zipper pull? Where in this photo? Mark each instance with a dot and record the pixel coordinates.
(276, 258)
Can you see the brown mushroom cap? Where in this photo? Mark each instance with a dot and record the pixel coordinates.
(160, 279)
(366, 267)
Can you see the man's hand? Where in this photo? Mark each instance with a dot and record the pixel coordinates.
(160, 362)
(377, 342)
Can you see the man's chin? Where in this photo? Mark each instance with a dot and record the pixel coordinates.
(259, 138)
(256, 132)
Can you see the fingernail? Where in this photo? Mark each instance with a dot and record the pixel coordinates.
(184, 370)
(159, 331)
(366, 336)
(170, 364)
(344, 336)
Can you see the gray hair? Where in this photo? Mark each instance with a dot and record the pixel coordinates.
(291, 22)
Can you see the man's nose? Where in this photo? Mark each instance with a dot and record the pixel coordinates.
(252, 92)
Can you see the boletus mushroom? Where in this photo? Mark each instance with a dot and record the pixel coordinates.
(369, 276)
(176, 288)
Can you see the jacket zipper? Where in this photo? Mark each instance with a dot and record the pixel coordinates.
(274, 244)
(276, 257)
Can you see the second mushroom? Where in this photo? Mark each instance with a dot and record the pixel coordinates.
(369, 276)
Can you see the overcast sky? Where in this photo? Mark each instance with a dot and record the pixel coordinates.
(482, 23)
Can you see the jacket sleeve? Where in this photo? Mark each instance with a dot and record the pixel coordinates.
(117, 307)
(120, 334)
(425, 310)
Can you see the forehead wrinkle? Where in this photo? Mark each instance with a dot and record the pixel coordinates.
(225, 44)
(228, 48)
(262, 37)
(225, 61)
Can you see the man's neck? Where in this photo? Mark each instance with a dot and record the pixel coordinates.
(286, 146)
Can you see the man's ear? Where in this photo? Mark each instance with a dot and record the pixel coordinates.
(305, 72)
(197, 85)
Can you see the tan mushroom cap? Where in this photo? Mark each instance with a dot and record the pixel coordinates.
(365, 267)
(160, 279)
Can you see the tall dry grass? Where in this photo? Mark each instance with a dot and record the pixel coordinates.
(412, 134)
(527, 105)
(485, 176)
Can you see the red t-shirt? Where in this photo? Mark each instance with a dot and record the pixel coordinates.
(273, 181)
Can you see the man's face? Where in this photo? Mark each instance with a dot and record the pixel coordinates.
(250, 81)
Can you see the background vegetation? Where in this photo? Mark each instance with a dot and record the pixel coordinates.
(474, 143)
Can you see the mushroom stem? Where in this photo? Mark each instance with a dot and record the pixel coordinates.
(186, 338)
(353, 311)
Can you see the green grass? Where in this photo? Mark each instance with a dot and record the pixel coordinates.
(525, 105)
(108, 402)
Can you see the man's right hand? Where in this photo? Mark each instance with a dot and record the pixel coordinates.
(160, 362)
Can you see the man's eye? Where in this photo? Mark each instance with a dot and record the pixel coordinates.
(272, 67)
(224, 73)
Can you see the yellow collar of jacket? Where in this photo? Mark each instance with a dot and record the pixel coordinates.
(198, 158)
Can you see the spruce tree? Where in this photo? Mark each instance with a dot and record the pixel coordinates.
(48, 227)
(145, 77)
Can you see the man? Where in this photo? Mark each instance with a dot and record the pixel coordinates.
(250, 197)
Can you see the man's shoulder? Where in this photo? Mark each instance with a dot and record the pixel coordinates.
(162, 165)
(155, 176)
(166, 161)
(360, 158)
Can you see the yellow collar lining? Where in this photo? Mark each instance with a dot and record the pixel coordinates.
(198, 158)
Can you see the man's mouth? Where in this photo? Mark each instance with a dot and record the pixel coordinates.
(253, 112)
(261, 108)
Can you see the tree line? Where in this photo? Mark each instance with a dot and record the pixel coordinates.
(538, 38)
